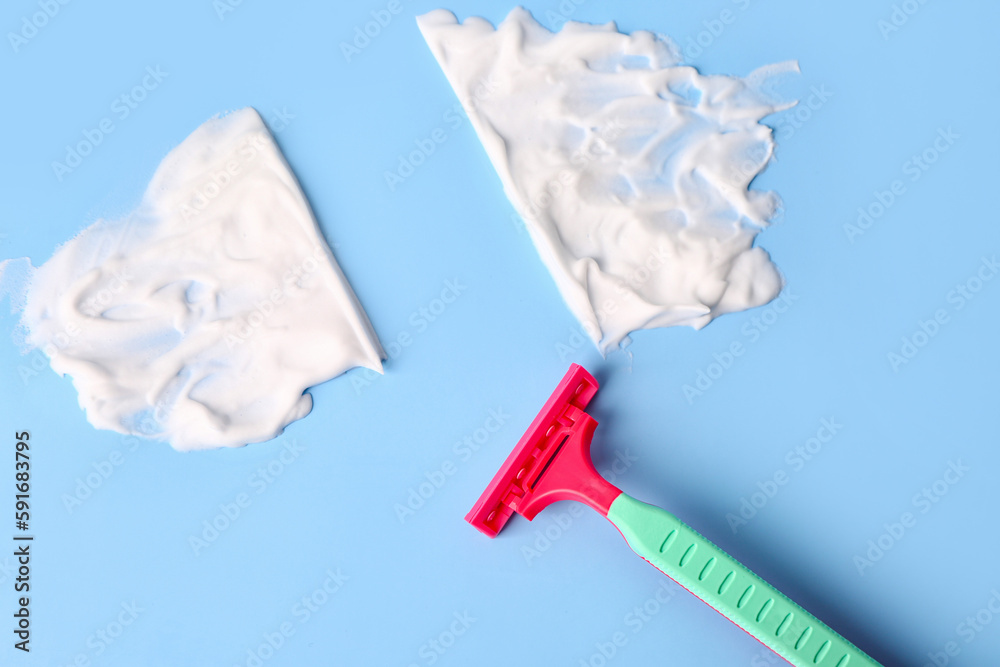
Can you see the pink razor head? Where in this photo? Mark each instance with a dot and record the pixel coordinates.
(551, 461)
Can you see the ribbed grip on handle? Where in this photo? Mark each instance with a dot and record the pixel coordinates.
(737, 593)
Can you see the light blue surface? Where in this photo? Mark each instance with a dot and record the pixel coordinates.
(333, 507)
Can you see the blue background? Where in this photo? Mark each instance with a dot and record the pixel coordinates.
(507, 340)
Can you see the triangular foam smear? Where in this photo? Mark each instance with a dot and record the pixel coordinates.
(630, 171)
(202, 316)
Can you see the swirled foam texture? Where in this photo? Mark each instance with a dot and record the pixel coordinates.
(631, 172)
(202, 316)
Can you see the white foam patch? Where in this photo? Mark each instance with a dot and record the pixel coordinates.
(630, 171)
(202, 316)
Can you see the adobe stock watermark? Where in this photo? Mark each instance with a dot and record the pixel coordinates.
(555, 19)
(258, 482)
(796, 459)
(238, 159)
(223, 8)
(121, 108)
(743, 171)
(635, 620)
(767, 658)
(713, 30)
(40, 356)
(967, 630)
(420, 320)
(626, 289)
(788, 123)
(958, 298)
(559, 522)
(540, 201)
(900, 15)
(239, 331)
(105, 296)
(365, 33)
(434, 648)
(759, 323)
(558, 185)
(101, 472)
(463, 450)
(914, 169)
(923, 502)
(32, 23)
(301, 612)
(95, 304)
(105, 637)
(218, 181)
(235, 164)
(578, 337)
(454, 117)
(279, 119)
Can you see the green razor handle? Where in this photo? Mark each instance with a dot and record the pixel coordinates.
(723, 582)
